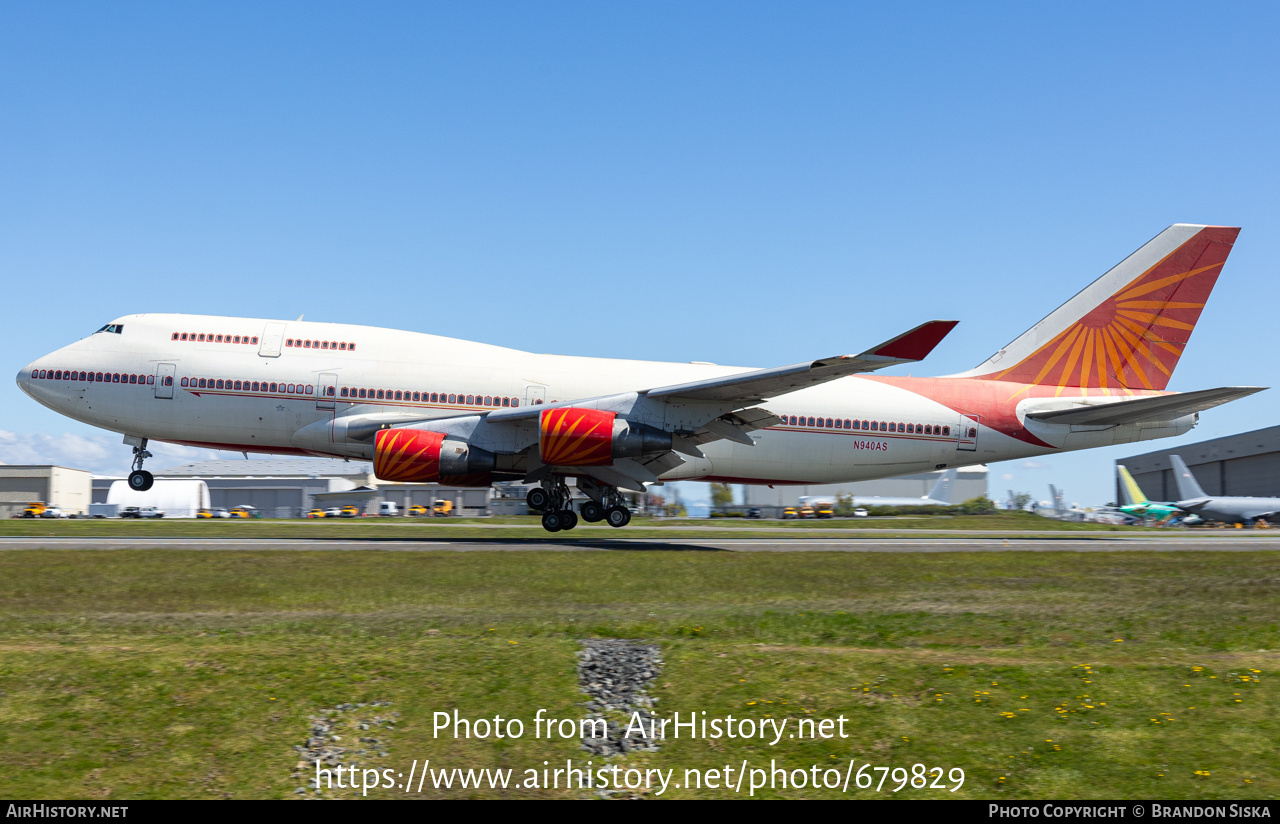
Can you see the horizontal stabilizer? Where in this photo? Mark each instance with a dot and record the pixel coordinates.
(1151, 408)
(759, 384)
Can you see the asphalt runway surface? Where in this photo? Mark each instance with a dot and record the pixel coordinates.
(951, 543)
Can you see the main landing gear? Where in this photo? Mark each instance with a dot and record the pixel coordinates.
(140, 480)
(554, 501)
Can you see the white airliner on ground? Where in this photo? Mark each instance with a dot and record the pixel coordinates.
(425, 408)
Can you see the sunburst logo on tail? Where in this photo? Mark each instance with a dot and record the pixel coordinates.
(1134, 336)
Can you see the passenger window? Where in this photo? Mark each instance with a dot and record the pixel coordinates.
(471, 400)
(273, 388)
(515, 401)
(184, 381)
(398, 396)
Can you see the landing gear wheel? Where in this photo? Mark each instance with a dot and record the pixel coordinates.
(141, 480)
(537, 498)
(591, 512)
(552, 521)
(569, 519)
(618, 516)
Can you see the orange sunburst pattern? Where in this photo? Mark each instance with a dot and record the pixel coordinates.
(407, 455)
(577, 437)
(1133, 339)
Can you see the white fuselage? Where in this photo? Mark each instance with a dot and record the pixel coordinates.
(258, 391)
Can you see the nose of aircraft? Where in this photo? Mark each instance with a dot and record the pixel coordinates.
(24, 378)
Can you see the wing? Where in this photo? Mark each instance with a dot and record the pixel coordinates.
(758, 384)
(692, 413)
(1151, 408)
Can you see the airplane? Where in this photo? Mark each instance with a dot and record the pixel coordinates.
(425, 408)
(1228, 509)
(1134, 502)
(939, 495)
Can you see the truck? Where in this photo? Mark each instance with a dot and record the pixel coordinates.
(442, 508)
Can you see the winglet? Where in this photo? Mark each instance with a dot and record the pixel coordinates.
(916, 344)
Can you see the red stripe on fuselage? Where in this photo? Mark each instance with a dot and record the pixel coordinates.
(995, 403)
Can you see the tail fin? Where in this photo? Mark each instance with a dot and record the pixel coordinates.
(941, 489)
(1128, 328)
(1059, 507)
(1129, 489)
(1187, 486)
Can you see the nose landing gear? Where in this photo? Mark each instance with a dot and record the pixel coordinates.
(140, 480)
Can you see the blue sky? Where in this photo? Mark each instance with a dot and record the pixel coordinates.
(743, 183)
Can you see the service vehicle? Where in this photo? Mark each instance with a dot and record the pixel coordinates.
(806, 512)
(239, 512)
(443, 507)
(33, 510)
(333, 512)
(388, 508)
(141, 512)
(753, 512)
(316, 513)
(52, 512)
(350, 512)
(418, 511)
(788, 513)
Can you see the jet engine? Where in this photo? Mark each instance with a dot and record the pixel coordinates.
(420, 456)
(573, 436)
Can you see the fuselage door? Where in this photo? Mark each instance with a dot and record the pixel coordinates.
(164, 379)
(534, 395)
(327, 387)
(967, 433)
(272, 337)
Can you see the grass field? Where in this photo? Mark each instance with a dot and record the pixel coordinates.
(529, 527)
(166, 673)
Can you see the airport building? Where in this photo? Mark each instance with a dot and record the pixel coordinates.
(290, 487)
(54, 485)
(971, 482)
(1244, 464)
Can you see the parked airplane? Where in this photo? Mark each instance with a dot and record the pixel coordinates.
(1228, 509)
(1134, 502)
(939, 495)
(425, 408)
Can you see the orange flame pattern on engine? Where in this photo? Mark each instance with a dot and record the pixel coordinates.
(577, 437)
(408, 455)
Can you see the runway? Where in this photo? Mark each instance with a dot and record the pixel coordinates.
(982, 543)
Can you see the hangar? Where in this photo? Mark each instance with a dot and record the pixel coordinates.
(54, 485)
(289, 487)
(1244, 464)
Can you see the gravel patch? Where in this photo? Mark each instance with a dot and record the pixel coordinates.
(339, 737)
(615, 673)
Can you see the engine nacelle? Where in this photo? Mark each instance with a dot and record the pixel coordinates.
(573, 436)
(420, 456)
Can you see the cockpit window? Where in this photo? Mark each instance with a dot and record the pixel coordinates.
(117, 328)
